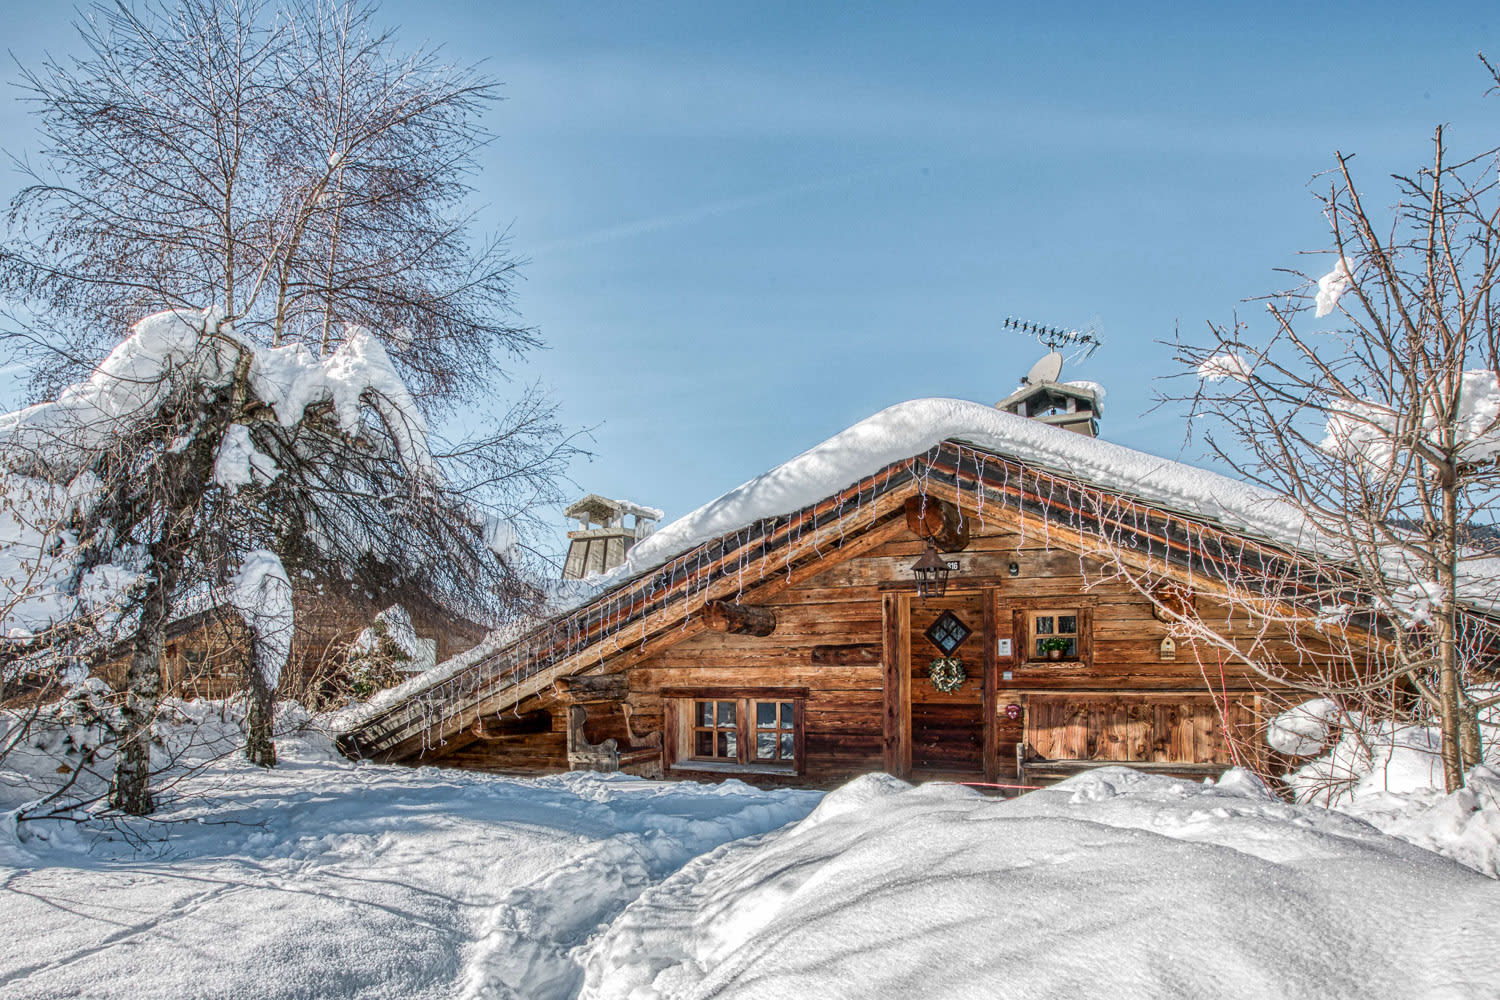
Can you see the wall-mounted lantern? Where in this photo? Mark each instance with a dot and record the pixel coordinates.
(1014, 568)
(931, 572)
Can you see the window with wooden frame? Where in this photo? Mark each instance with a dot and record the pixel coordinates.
(758, 729)
(1061, 629)
(716, 730)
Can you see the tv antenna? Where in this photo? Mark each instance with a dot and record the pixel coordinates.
(1086, 342)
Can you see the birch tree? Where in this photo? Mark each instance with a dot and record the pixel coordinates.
(283, 160)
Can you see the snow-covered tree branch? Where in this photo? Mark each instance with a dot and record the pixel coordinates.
(195, 467)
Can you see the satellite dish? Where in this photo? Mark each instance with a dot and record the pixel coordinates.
(1045, 370)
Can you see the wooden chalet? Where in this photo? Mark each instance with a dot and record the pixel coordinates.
(796, 647)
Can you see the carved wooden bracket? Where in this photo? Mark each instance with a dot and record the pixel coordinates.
(578, 743)
(607, 756)
(739, 619)
(928, 517)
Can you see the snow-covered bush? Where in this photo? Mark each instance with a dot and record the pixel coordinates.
(1361, 753)
(58, 757)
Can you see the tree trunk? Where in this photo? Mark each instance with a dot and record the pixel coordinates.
(131, 789)
(1468, 735)
(1450, 716)
(260, 747)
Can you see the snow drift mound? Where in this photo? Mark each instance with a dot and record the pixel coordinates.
(1114, 883)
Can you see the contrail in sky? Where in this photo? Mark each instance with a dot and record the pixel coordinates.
(625, 230)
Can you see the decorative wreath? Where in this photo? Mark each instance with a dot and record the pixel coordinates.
(947, 673)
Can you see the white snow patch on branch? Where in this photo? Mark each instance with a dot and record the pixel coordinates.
(239, 463)
(1228, 365)
(1373, 431)
(38, 554)
(262, 594)
(291, 379)
(500, 536)
(1332, 286)
(127, 385)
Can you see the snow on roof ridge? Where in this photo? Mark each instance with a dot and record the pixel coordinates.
(913, 427)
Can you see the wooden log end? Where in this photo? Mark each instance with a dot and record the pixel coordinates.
(739, 619)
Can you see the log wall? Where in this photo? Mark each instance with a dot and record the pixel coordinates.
(828, 639)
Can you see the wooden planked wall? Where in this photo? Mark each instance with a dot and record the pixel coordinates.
(841, 606)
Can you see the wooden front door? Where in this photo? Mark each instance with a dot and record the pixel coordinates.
(947, 726)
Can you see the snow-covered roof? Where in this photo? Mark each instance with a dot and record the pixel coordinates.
(911, 428)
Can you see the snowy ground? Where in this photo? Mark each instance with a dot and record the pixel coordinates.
(325, 878)
(1113, 884)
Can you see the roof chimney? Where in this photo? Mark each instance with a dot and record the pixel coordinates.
(1073, 406)
(607, 531)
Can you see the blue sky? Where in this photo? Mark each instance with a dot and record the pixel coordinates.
(750, 225)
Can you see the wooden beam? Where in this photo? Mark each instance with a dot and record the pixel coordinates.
(511, 726)
(739, 619)
(939, 520)
(592, 689)
(989, 698)
(896, 640)
(852, 655)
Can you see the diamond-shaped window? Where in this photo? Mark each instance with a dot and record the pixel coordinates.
(948, 633)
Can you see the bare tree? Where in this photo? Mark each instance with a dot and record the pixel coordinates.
(278, 159)
(1370, 410)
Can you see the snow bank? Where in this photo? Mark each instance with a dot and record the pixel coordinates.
(1463, 825)
(1114, 883)
(1304, 729)
(1370, 755)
